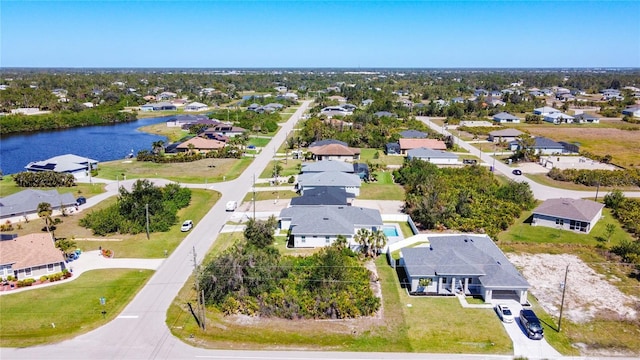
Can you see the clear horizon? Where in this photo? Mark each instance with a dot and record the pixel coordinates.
(316, 35)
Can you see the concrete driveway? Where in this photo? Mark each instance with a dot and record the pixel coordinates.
(522, 345)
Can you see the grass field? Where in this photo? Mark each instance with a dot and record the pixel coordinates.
(8, 187)
(172, 134)
(289, 167)
(383, 189)
(269, 195)
(197, 172)
(28, 317)
(367, 155)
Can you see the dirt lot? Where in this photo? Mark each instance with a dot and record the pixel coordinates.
(588, 293)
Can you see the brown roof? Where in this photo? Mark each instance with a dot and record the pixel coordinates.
(434, 144)
(575, 209)
(334, 150)
(29, 251)
(201, 143)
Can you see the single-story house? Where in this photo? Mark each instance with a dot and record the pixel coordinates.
(336, 179)
(327, 142)
(437, 157)
(334, 152)
(323, 196)
(30, 256)
(392, 148)
(158, 106)
(633, 110)
(226, 130)
(319, 226)
(558, 118)
(545, 110)
(362, 170)
(469, 264)
(76, 165)
(166, 95)
(181, 120)
(200, 144)
(367, 102)
(196, 106)
(384, 114)
(585, 118)
(408, 144)
(335, 111)
(506, 118)
(541, 146)
(413, 134)
(504, 135)
(26, 202)
(326, 165)
(578, 215)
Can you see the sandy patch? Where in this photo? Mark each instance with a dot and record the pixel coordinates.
(588, 293)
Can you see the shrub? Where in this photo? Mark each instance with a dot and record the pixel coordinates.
(291, 180)
(44, 278)
(43, 179)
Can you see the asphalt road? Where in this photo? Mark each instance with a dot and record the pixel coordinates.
(541, 192)
(140, 332)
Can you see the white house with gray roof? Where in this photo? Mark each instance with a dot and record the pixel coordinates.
(76, 165)
(579, 215)
(25, 202)
(507, 135)
(468, 264)
(506, 118)
(327, 165)
(319, 226)
(349, 182)
(437, 157)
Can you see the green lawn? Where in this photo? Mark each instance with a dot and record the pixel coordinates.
(383, 189)
(8, 187)
(28, 317)
(197, 172)
(522, 231)
(270, 195)
(368, 155)
(258, 141)
(289, 167)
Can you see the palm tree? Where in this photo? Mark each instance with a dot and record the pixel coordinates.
(158, 147)
(44, 212)
(372, 241)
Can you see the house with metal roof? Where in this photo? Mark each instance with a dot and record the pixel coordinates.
(76, 165)
(506, 118)
(437, 157)
(319, 226)
(579, 215)
(30, 256)
(25, 202)
(466, 264)
(507, 135)
(335, 179)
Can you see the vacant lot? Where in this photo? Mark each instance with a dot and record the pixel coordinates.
(622, 145)
(198, 172)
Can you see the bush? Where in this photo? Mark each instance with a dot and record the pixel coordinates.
(43, 179)
(291, 180)
(44, 278)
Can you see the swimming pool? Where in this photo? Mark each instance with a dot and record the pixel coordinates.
(390, 230)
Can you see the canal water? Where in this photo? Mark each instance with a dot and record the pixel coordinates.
(102, 143)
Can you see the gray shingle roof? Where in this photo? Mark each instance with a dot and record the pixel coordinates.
(321, 196)
(26, 201)
(413, 134)
(329, 178)
(505, 116)
(327, 165)
(576, 209)
(543, 142)
(506, 132)
(464, 255)
(330, 220)
(429, 153)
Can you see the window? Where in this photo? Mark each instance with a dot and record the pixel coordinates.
(444, 280)
(560, 222)
(50, 268)
(327, 239)
(302, 238)
(27, 271)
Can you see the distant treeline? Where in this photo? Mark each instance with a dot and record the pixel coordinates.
(62, 120)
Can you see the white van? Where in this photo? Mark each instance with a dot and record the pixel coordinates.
(232, 205)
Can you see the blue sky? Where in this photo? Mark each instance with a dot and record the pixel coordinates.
(235, 34)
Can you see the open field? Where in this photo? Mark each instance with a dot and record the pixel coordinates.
(622, 145)
(8, 187)
(367, 155)
(127, 245)
(173, 134)
(545, 180)
(289, 167)
(197, 172)
(393, 329)
(28, 317)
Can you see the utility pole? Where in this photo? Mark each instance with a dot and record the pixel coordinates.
(146, 208)
(597, 189)
(254, 196)
(199, 294)
(564, 290)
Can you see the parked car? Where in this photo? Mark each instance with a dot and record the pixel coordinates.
(531, 324)
(469, 161)
(517, 172)
(186, 225)
(232, 205)
(81, 200)
(504, 313)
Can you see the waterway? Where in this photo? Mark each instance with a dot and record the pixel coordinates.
(102, 143)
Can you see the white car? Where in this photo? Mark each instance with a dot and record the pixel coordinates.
(504, 313)
(232, 205)
(187, 225)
